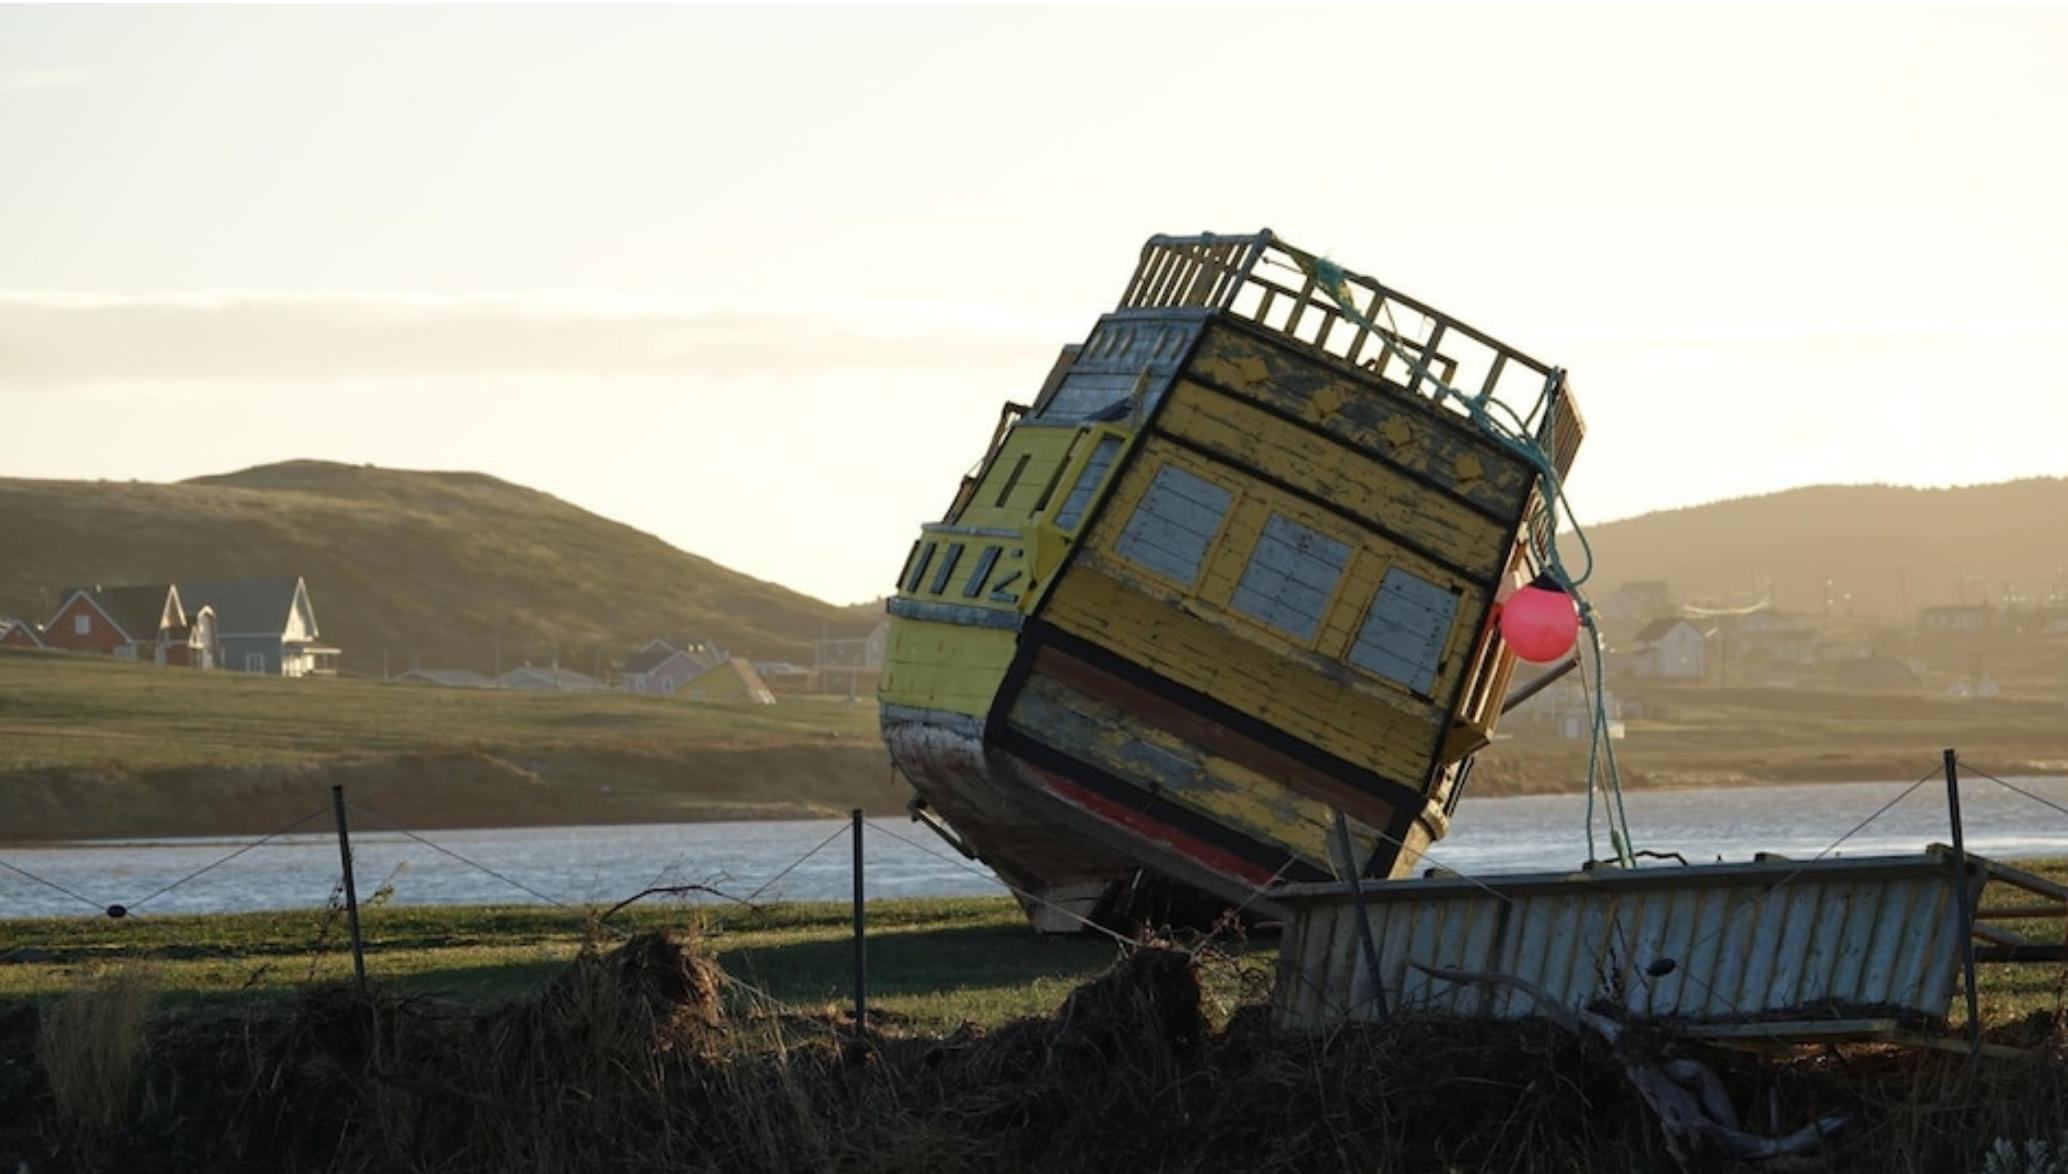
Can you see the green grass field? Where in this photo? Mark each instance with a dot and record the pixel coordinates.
(931, 965)
(75, 712)
(93, 748)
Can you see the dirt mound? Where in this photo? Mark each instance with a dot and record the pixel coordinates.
(634, 1059)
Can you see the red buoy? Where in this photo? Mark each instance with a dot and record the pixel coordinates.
(1541, 621)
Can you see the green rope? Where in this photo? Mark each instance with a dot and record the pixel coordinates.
(1500, 423)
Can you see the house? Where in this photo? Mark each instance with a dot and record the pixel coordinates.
(260, 626)
(1566, 709)
(248, 625)
(732, 679)
(660, 666)
(1636, 602)
(1962, 617)
(140, 622)
(548, 680)
(1668, 650)
(851, 664)
(19, 634)
(1781, 638)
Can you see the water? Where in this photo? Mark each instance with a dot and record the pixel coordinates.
(2016, 818)
(811, 859)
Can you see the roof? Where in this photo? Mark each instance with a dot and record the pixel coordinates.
(734, 678)
(1657, 629)
(653, 656)
(452, 678)
(656, 653)
(550, 678)
(137, 609)
(245, 606)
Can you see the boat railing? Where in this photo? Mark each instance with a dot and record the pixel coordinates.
(1356, 320)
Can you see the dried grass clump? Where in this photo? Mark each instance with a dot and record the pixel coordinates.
(646, 1058)
(1942, 1110)
(583, 1077)
(93, 1047)
(579, 1078)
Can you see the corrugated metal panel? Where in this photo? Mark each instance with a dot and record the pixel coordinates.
(1710, 942)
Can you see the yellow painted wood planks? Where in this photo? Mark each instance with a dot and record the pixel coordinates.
(1432, 443)
(1393, 733)
(1170, 767)
(1020, 476)
(1376, 493)
(1253, 501)
(955, 667)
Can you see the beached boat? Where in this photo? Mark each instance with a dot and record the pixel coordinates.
(1217, 611)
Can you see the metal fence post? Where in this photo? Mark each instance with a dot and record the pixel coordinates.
(1966, 904)
(344, 849)
(861, 949)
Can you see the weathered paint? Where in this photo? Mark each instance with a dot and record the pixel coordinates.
(1755, 939)
(1434, 446)
(1058, 872)
(1368, 490)
(1199, 771)
(1241, 560)
(1390, 732)
(945, 666)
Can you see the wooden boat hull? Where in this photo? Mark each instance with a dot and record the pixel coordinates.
(1225, 593)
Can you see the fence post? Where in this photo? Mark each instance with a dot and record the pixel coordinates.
(344, 849)
(861, 948)
(1965, 904)
(1377, 989)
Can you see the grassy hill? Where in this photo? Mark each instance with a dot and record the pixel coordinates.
(461, 570)
(1866, 550)
(452, 569)
(439, 570)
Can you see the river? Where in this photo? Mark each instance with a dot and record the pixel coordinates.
(2010, 819)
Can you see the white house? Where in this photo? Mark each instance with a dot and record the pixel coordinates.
(1669, 649)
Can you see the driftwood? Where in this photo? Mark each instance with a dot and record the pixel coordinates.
(1695, 1114)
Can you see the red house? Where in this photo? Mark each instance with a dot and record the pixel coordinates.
(143, 622)
(20, 634)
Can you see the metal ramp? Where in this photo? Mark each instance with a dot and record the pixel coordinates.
(1771, 953)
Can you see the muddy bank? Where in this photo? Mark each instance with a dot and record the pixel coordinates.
(461, 788)
(805, 778)
(646, 1058)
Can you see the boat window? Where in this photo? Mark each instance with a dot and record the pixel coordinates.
(1291, 575)
(1174, 524)
(1101, 459)
(917, 564)
(946, 572)
(1404, 633)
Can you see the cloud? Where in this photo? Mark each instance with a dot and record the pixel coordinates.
(54, 341)
(29, 81)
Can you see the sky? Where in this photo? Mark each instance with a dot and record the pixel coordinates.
(757, 279)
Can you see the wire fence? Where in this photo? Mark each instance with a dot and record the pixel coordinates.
(299, 866)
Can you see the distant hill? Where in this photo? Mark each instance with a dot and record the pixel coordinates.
(1870, 550)
(461, 570)
(443, 570)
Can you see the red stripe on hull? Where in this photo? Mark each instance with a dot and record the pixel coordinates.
(1148, 827)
